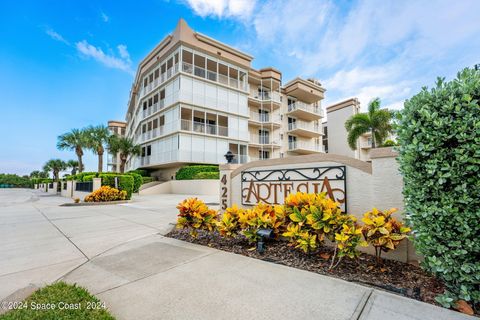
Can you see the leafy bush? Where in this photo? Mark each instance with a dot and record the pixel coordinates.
(125, 182)
(207, 175)
(383, 231)
(195, 215)
(81, 176)
(87, 178)
(389, 143)
(137, 181)
(106, 193)
(262, 216)
(229, 225)
(16, 181)
(439, 136)
(143, 173)
(189, 172)
(147, 180)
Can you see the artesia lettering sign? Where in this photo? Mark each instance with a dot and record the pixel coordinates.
(272, 186)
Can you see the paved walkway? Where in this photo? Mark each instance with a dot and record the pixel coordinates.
(119, 253)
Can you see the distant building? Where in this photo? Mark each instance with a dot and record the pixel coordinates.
(113, 160)
(335, 134)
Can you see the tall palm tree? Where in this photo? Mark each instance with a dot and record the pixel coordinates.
(55, 165)
(74, 140)
(36, 174)
(376, 121)
(97, 138)
(73, 164)
(125, 147)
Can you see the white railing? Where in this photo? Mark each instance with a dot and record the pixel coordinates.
(163, 77)
(265, 117)
(201, 127)
(298, 105)
(211, 75)
(310, 126)
(258, 139)
(265, 95)
(295, 145)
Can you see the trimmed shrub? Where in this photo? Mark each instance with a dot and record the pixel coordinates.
(106, 193)
(81, 176)
(89, 177)
(143, 173)
(207, 175)
(147, 180)
(439, 137)
(195, 215)
(389, 143)
(189, 172)
(137, 181)
(125, 182)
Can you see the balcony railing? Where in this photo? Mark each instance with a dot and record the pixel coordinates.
(158, 81)
(295, 145)
(298, 105)
(238, 158)
(265, 95)
(201, 127)
(213, 76)
(261, 139)
(264, 117)
(303, 125)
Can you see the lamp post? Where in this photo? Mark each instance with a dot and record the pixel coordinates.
(229, 156)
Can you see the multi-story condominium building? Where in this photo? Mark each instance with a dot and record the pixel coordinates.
(194, 99)
(335, 134)
(113, 160)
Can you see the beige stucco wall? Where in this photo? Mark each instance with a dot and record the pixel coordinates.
(188, 187)
(54, 189)
(337, 134)
(379, 187)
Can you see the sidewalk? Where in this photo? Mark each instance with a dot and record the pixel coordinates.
(163, 278)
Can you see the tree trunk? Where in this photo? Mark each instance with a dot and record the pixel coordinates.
(374, 144)
(122, 166)
(100, 159)
(80, 163)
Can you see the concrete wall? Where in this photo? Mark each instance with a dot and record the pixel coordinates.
(337, 134)
(376, 184)
(190, 187)
(52, 190)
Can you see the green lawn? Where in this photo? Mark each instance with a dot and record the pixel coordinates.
(59, 301)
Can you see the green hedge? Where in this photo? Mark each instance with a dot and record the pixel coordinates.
(125, 182)
(190, 172)
(80, 176)
(143, 173)
(137, 181)
(89, 177)
(439, 137)
(207, 175)
(147, 180)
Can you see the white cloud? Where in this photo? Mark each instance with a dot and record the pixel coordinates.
(56, 36)
(122, 63)
(223, 8)
(105, 18)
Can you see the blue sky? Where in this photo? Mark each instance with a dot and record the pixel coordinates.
(69, 64)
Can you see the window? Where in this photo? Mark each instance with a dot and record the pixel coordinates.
(144, 128)
(264, 136)
(157, 73)
(143, 152)
(149, 151)
(145, 105)
(262, 154)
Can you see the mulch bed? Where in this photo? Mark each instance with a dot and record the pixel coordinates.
(398, 277)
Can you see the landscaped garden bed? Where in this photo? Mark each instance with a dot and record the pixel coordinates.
(402, 278)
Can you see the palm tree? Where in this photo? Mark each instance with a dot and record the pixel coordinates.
(73, 164)
(36, 174)
(125, 147)
(97, 137)
(376, 121)
(55, 165)
(74, 140)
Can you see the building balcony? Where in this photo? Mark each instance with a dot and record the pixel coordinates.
(170, 72)
(257, 119)
(303, 147)
(305, 111)
(257, 98)
(304, 90)
(304, 129)
(257, 141)
(201, 127)
(213, 76)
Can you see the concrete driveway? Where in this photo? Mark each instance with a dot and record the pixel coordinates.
(120, 254)
(41, 241)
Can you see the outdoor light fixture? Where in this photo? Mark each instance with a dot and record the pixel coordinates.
(229, 156)
(263, 234)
